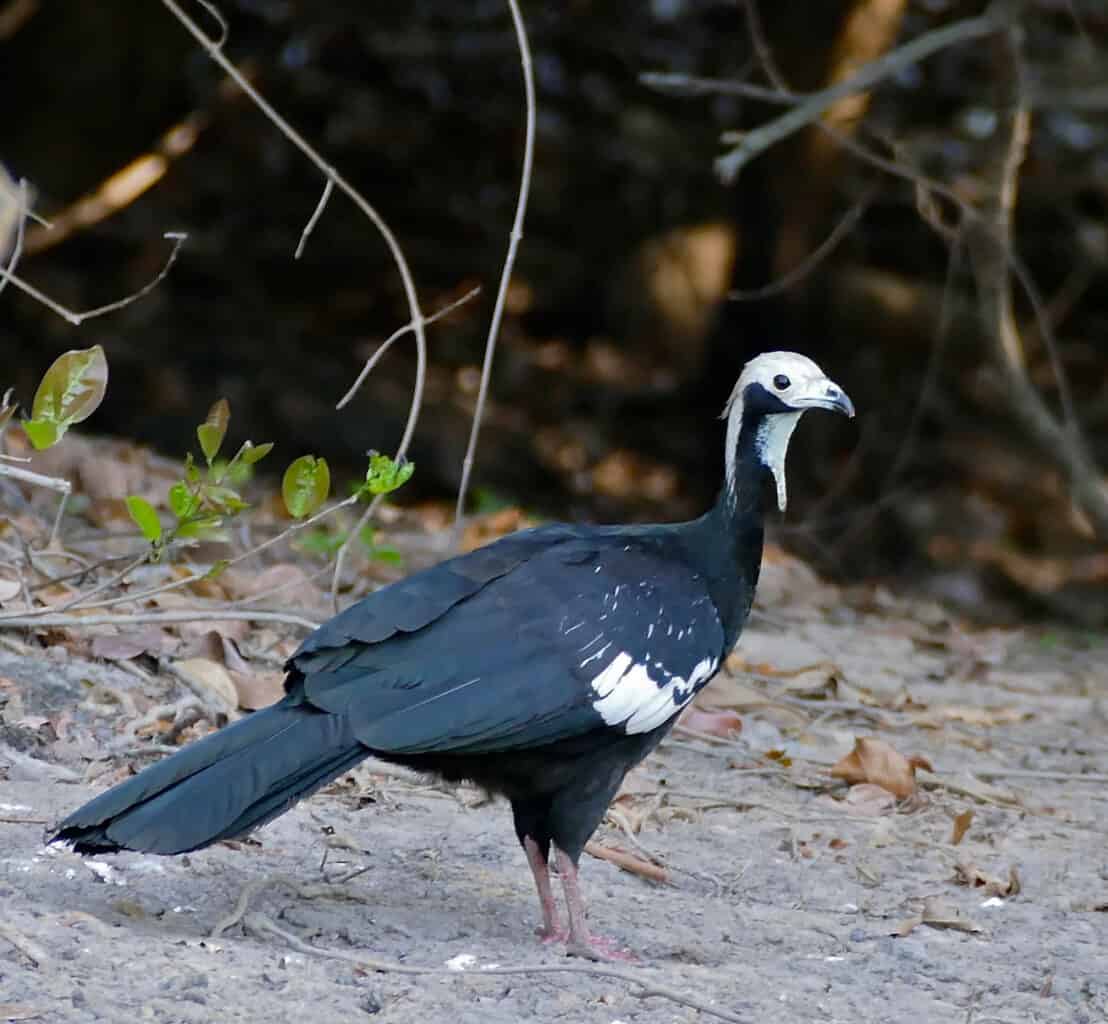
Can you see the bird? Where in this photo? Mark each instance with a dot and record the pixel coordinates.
(541, 667)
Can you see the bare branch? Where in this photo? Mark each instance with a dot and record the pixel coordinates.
(328, 188)
(178, 239)
(673, 84)
(813, 107)
(989, 241)
(509, 262)
(214, 50)
(843, 228)
(396, 336)
(160, 618)
(14, 220)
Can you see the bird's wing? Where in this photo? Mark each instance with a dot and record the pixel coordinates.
(581, 635)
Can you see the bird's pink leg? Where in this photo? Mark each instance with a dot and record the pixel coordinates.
(581, 943)
(551, 930)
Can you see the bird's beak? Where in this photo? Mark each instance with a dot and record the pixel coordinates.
(825, 394)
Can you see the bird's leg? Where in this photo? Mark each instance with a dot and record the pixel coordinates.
(581, 943)
(551, 930)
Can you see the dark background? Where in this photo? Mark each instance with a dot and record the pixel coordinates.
(620, 345)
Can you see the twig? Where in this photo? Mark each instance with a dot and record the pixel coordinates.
(692, 85)
(843, 228)
(627, 862)
(868, 75)
(509, 262)
(989, 242)
(396, 336)
(644, 989)
(163, 618)
(20, 202)
(303, 890)
(415, 313)
(31, 950)
(178, 239)
(24, 821)
(1041, 776)
(63, 487)
(328, 188)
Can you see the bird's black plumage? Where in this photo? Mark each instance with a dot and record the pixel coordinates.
(542, 667)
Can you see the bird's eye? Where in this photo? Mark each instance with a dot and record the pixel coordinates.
(781, 382)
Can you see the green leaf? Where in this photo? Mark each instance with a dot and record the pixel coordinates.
(43, 433)
(192, 474)
(386, 475)
(211, 432)
(202, 528)
(72, 388)
(142, 512)
(389, 555)
(182, 502)
(217, 569)
(251, 453)
(224, 499)
(306, 484)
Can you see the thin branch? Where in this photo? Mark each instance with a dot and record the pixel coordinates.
(328, 188)
(786, 281)
(415, 313)
(509, 262)
(644, 988)
(396, 336)
(158, 618)
(989, 241)
(178, 239)
(673, 84)
(20, 203)
(868, 75)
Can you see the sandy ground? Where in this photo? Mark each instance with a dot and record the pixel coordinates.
(789, 896)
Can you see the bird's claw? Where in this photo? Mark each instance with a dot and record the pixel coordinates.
(597, 947)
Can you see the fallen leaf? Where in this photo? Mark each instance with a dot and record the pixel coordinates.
(961, 825)
(130, 644)
(210, 680)
(876, 762)
(966, 873)
(711, 721)
(869, 799)
(257, 689)
(907, 926)
(938, 913)
(9, 589)
(18, 1011)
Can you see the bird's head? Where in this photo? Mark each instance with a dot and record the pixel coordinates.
(774, 390)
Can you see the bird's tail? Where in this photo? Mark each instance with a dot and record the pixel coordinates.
(223, 786)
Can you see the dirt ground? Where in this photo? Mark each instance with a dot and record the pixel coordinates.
(789, 895)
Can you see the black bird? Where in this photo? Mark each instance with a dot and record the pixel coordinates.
(542, 667)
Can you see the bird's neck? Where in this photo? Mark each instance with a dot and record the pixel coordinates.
(730, 535)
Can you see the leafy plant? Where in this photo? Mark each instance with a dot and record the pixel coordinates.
(205, 497)
(69, 393)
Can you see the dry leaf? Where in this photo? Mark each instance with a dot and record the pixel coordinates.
(869, 799)
(938, 913)
(711, 721)
(9, 589)
(130, 644)
(966, 873)
(875, 761)
(210, 680)
(18, 1011)
(961, 825)
(257, 689)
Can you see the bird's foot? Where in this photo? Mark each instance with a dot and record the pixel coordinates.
(548, 935)
(598, 947)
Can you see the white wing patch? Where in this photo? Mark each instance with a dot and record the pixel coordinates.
(629, 696)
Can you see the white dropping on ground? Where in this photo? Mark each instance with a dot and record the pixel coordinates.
(629, 696)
